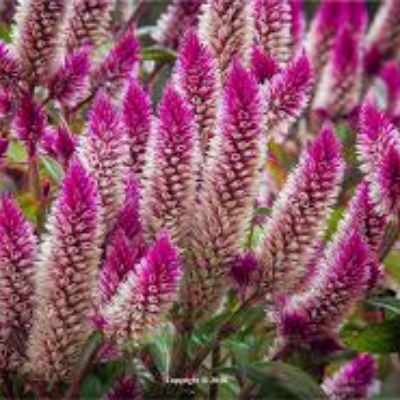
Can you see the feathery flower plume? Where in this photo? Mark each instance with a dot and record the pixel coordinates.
(384, 34)
(137, 116)
(390, 75)
(354, 381)
(222, 217)
(66, 275)
(9, 68)
(340, 86)
(180, 17)
(170, 186)
(197, 78)
(300, 213)
(18, 248)
(103, 150)
(126, 388)
(273, 20)
(39, 37)
(118, 64)
(314, 313)
(145, 295)
(263, 65)
(7, 10)
(227, 26)
(289, 93)
(70, 82)
(30, 124)
(242, 268)
(298, 24)
(89, 23)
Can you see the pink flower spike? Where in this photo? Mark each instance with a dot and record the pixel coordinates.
(298, 24)
(145, 295)
(299, 215)
(227, 27)
(67, 271)
(197, 77)
(126, 388)
(355, 380)
(289, 95)
(71, 81)
(263, 65)
(169, 191)
(390, 75)
(18, 248)
(10, 72)
(137, 115)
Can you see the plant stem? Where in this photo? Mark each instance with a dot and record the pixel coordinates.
(216, 359)
(8, 390)
(34, 184)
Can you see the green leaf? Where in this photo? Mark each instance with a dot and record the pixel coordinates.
(159, 54)
(53, 168)
(381, 338)
(387, 303)
(263, 211)
(17, 152)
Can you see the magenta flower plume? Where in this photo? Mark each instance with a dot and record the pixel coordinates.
(67, 271)
(145, 295)
(39, 37)
(137, 116)
(384, 34)
(299, 215)
(298, 24)
(118, 64)
(30, 124)
(229, 190)
(242, 269)
(227, 27)
(197, 77)
(10, 72)
(126, 388)
(180, 17)
(309, 315)
(18, 247)
(273, 20)
(355, 380)
(390, 75)
(70, 82)
(103, 150)
(289, 95)
(340, 87)
(169, 191)
(7, 10)
(89, 23)
(263, 65)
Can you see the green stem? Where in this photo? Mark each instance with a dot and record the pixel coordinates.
(215, 362)
(34, 184)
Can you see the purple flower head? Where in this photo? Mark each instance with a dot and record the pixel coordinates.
(9, 68)
(67, 271)
(299, 214)
(103, 150)
(118, 64)
(89, 23)
(125, 388)
(242, 269)
(169, 191)
(355, 380)
(137, 115)
(30, 124)
(145, 295)
(263, 65)
(289, 96)
(298, 23)
(227, 27)
(18, 247)
(180, 17)
(197, 78)
(273, 20)
(70, 82)
(39, 37)
(390, 75)
(230, 180)
(7, 103)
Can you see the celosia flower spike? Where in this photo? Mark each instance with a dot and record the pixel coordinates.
(390, 75)
(89, 23)
(169, 191)
(70, 82)
(145, 295)
(227, 27)
(39, 37)
(18, 247)
(289, 93)
(103, 150)
(197, 78)
(340, 87)
(300, 213)
(137, 115)
(222, 217)
(67, 271)
(355, 380)
(298, 24)
(273, 19)
(263, 65)
(126, 388)
(180, 17)
(10, 72)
